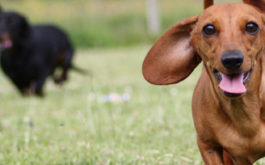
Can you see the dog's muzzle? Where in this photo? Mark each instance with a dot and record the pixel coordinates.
(6, 44)
(232, 85)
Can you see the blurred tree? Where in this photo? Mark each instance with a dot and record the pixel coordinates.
(153, 16)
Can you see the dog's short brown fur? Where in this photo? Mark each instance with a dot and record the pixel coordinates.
(230, 126)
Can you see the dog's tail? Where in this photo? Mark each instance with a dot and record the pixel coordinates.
(79, 70)
(208, 3)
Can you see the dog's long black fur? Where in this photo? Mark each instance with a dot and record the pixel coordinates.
(29, 54)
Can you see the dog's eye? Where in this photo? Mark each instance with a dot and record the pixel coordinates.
(209, 30)
(251, 28)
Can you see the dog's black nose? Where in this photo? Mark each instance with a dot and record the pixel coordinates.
(232, 59)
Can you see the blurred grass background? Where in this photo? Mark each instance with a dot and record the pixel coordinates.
(102, 23)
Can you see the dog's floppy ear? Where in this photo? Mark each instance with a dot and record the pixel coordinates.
(257, 3)
(172, 58)
(207, 3)
(25, 28)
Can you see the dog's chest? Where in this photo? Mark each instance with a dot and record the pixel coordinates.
(239, 145)
(17, 66)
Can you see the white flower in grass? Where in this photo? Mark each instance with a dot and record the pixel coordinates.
(139, 157)
(26, 134)
(26, 119)
(169, 155)
(173, 91)
(91, 96)
(131, 133)
(125, 97)
(29, 122)
(88, 145)
(115, 98)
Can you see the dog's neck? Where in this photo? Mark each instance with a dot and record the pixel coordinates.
(244, 113)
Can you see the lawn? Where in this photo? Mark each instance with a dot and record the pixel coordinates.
(109, 116)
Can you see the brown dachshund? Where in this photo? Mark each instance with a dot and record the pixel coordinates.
(229, 99)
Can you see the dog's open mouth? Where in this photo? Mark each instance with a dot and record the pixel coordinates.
(5, 41)
(232, 85)
(5, 44)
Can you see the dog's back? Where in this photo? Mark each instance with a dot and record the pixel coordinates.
(50, 42)
(51, 36)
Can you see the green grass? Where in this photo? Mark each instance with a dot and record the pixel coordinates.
(73, 124)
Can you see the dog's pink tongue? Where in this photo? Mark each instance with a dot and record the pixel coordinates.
(233, 84)
(8, 44)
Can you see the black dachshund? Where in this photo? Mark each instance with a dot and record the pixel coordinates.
(29, 54)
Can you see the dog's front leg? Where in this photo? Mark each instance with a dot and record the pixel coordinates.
(242, 161)
(40, 82)
(211, 155)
